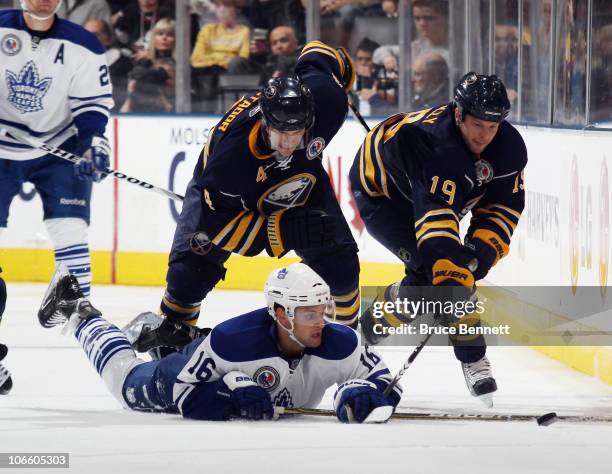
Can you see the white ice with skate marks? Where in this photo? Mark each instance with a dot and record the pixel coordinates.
(59, 404)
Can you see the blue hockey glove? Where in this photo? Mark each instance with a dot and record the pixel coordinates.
(247, 399)
(96, 158)
(356, 398)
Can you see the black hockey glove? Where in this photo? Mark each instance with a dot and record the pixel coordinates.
(299, 229)
(484, 254)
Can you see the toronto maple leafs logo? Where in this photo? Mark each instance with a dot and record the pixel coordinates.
(283, 399)
(27, 90)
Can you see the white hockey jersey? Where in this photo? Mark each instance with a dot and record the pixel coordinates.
(248, 344)
(53, 85)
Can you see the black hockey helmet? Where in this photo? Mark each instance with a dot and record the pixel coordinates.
(483, 97)
(287, 104)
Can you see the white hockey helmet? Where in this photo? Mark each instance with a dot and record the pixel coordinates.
(293, 286)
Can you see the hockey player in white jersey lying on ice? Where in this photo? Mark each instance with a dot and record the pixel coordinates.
(284, 355)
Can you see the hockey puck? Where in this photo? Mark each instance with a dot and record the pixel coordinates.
(547, 419)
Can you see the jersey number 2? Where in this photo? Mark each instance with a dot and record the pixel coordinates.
(103, 76)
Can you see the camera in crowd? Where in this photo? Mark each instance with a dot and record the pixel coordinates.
(385, 80)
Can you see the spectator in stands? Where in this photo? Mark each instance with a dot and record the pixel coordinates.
(205, 10)
(217, 44)
(119, 59)
(431, 21)
(134, 22)
(365, 87)
(430, 81)
(506, 56)
(346, 11)
(79, 11)
(268, 14)
(280, 61)
(151, 88)
(284, 52)
(390, 8)
(161, 43)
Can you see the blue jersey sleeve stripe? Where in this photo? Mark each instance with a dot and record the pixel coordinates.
(100, 106)
(90, 97)
(34, 133)
(377, 374)
(14, 145)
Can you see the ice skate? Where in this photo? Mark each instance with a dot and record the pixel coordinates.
(63, 299)
(150, 331)
(479, 380)
(6, 382)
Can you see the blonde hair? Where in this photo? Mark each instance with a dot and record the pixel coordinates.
(165, 24)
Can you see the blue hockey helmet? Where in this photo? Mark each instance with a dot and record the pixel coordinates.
(482, 96)
(287, 104)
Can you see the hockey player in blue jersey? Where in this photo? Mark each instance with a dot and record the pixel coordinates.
(54, 86)
(283, 355)
(417, 175)
(259, 184)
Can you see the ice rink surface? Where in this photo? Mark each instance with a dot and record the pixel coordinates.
(59, 404)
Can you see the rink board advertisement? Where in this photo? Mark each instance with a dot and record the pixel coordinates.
(562, 240)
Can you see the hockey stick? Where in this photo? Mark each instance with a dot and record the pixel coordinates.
(540, 419)
(66, 155)
(417, 350)
(358, 115)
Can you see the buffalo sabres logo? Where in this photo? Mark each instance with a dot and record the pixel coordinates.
(282, 273)
(315, 147)
(267, 378)
(200, 243)
(471, 79)
(27, 90)
(270, 92)
(11, 45)
(289, 193)
(484, 171)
